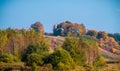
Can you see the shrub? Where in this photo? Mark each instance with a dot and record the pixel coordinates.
(34, 67)
(34, 58)
(61, 59)
(40, 49)
(99, 62)
(8, 58)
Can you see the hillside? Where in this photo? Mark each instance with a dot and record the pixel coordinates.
(58, 40)
(108, 55)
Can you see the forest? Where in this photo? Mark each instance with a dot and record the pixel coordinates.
(69, 48)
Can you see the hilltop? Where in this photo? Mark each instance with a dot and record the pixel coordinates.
(108, 43)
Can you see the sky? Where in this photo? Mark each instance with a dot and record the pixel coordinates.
(100, 15)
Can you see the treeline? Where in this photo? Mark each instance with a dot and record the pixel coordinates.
(108, 42)
(32, 48)
(16, 42)
(116, 36)
(68, 28)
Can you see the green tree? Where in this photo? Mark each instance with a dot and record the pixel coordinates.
(60, 59)
(41, 49)
(34, 58)
(71, 44)
(84, 50)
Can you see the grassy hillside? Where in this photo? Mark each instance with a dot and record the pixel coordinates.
(58, 41)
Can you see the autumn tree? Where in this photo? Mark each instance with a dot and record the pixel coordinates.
(116, 36)
(3, 41)
(38, 27)
(102, 34)
(93, 33)
(68, 28)
(12, 40)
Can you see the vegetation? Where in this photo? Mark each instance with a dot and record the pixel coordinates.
(79, 50)
(84, 51)
(116, 36)
(60, 59)
(35, 54)
(68, 28)
(93, 33)
(8, 58)
(38, 27)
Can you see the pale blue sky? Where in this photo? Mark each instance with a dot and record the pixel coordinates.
(94, 14)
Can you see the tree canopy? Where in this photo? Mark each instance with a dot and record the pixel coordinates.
(68, 28)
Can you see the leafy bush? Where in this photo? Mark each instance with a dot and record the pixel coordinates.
(99, 62)
(61, 59)
(31, 49)
(8, 58)
(40, 49)
(34, 58)
(34, 67)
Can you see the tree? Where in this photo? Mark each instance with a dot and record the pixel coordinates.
(34, 58)
(90, 49)
(68, 28)
(71, 44)
(12, 40)
(37, 48)
(40, 50)
(102, 34)
(3, 41)
(15, 42)
(32, 37)
(116, 36)
(38, 27)
(60, 59)
(84, 50)
(93, 33)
